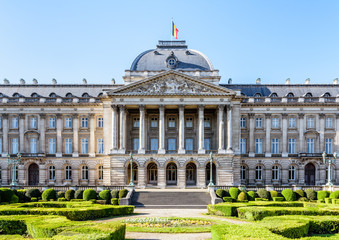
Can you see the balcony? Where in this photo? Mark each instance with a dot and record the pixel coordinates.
(30, 155)
(312, 155)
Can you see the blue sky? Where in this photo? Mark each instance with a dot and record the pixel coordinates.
(98, 40)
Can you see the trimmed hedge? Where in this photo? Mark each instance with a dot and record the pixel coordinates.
(321, 195)
(220, 193)
(289, 195)
(6, 194)
(69, 194)
(123, 193)
(251, 195)
(115, 201)
(60, 194)
(242, 196)
(105, 195)
(273, 194)
(78, 194)
(311, 194)
(89, 194)
(48, 194)
(115, 194)
(33, 193)
(263, 193)
(335, 195)
(299, 193)
(278, 199)
(228, 199)
(234, 192)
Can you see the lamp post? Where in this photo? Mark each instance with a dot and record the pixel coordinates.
(211, 172)
(131, 183)
(14, 161)
(329, 160)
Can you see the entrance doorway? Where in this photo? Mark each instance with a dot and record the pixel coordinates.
(152, 173)
(191, 174)
(33, 175)
(310, 174)
(135, 173)
(208, 173)
(171, 174)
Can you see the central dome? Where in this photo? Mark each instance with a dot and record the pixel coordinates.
(171, 55)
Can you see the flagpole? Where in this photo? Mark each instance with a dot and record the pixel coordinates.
(171, 29)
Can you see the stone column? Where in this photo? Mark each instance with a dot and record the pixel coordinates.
(59, 176)
(322, 132)
(21, 175)
(284, 135)
(42, 132)
(42, 174)
(301, 132)
(161, 177)
(181, 177)
(91, 176)
(21, 133)
(4, 136)
(268, 135)
(229, 129)
(92, 142)
(336, 132)
(75, 135)
(221, 130)
(122, 136)
(251, 135)
(59, 135)
(142, 130)
(115, 128)
(161, 130)
(201, 135)
(141, 177)
(107, 134)
(181, 149)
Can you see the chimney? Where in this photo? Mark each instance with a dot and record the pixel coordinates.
(307, 81)
(230, 81)
(258, 81)
(84, 81)
(6, 81)
(335, 81)
(22, 81)
(54, 81)
(288, 81)
(35, 82)
(113, 81)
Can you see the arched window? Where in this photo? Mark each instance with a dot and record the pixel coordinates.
(257, 95)
(1, 95)
(69, 95)
(308, 95)
(152, 173)
(101, 172)
(291, 172)
(258, 173)
(85, 95)
(290, 95)
(53, 95)
(273, 95)
(84, 173)
(68, 173)
(275, 173)
(327, 95)
(100, 94)
(243, 172)
(51, 173)
(16, 95)
(35, 95)
(171, 174)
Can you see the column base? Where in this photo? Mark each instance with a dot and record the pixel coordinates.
(251, 154)
(91, 155)
(114, 151)
(58, 155)
(229, 151)
(268, 154)
(284, 154)
(75, 154)
(221, 151)
(181, 151)
(201, 151)
(161, 151)
(122, 151)
(141, 151)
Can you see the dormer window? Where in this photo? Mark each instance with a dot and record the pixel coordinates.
(52, 95)
(327, 95)
(274, 95)
(85, 95)
(69, 95)
(257, 95)
(308, 95)
(290, 95)
(35, 95)
(16, 95)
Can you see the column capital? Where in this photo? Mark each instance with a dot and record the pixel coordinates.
(322, 115)
(4, 115)
(201, 107)
(161, 107)
(142, 108)
(121, 107)
(21, 115)
(228, 107)
(75, 115)
(42, 115)
(115, 107)
(221, 107)
(58, 115)
(91, 115)
(181, 107)
(301, 115)
(268, 115)
(284, 115)
(251, 115)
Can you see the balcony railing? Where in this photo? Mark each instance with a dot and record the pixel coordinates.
(311, 155)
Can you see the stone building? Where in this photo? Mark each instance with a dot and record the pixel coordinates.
(171, 112)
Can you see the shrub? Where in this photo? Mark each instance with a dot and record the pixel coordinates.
(299, 194)
(69, 194)
(34, 199)
(322, 195)
(288, 194)
(115, 201)
(33, 192)
(251, 195)
(62, 199)
(89, 194)
(263, 193)
(228, 199)
(278, 199)
(335, 201)
(123, 193)
(303, 199)
(60, 194)
(328, 200)
(48, 194)
(77, 200)
(6, 194)
(78, 194)
(14, 199)
(234, 192)
(273, 194)
(311, 194)
(21, 194)
(115, 194)
(242, 196)
(220, 193)
(335, 195)
(105, 195)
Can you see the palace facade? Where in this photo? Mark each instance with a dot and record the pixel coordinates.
(171, 113)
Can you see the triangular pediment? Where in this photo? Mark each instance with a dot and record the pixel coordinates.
(172, 83)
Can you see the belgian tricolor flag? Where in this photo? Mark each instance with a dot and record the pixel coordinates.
(174, 31)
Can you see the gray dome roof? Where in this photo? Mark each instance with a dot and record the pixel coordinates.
(183, 59)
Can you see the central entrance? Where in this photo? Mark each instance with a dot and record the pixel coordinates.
(171, 174)
(310, 174)
(33, 175)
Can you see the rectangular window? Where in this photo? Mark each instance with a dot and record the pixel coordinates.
(291, 122)
(154, 122)
(15, 123)
(189, 144)
(329, 122)
(15, 146)
(275, 145)
(291, 146)
(310, 145)
(84, 146)
(100, 122)
(68, 122)
(275, 122)
(171, 122)
(328, 145)
(207, 122)
(135, 144)
(258, 122)
(310, 122)
(258, 146)
(68, 146)
(243, 122)
(33, 145)
(189, 122)
(33, 122)
(100, 146)
(207, 144)
(51, 146)
(84, 122)
(51, 122)
(171, 145)
(243, 146)
(136, 122)
(154, 145)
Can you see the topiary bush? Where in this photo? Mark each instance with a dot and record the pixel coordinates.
(115, 194)
(62, 199)
(48, 194)
(242, 196)
(6, 194)
(89, 194)
(34, 199)
(228, 199)
(220, 193)
(299, 194)
(289, 195)
(123, 193)
(69, 194)
(78, 194)
(234, 192)
(303, 199)
(115, 201)
(33, 192)
(60, 194)
(14, 199)
(251, 195)
(105, 195)
(311, 194)
(334, 195)
(263, 193)
(21, 194)
(322, 195)
(273, 194)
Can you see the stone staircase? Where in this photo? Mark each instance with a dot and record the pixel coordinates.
(171, 199)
